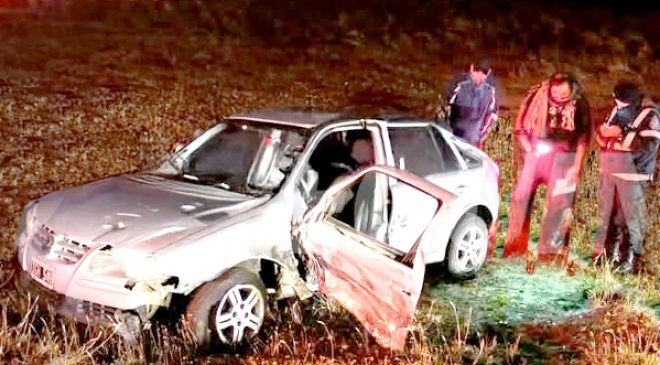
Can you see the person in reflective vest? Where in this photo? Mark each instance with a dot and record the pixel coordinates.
(628, 142)
(553, 130)
(472, 103)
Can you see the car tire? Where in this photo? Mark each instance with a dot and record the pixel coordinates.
(468, 247)
(227, 311)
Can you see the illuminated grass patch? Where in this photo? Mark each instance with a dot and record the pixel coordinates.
(505, 294)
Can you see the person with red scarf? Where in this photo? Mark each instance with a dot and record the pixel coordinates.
(553, 131)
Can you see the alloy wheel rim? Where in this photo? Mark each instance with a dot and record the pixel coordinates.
(471, 249)
(240, 314)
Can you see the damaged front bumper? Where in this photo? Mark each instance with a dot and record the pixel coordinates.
(75, 292)
(83, 311)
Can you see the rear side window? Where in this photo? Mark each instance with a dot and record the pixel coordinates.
(471, 160)
(422, 151)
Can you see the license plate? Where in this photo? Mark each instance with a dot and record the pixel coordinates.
(42, 273)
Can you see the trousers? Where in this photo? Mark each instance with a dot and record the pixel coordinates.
(549, 169)
(621, 203)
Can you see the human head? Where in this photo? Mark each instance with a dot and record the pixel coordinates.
(627, 93)
(479, 71)
(562, 87)
(362, 148)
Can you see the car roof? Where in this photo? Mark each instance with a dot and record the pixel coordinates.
(289, 117)
(312, 119)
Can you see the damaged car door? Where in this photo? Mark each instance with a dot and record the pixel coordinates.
(347, 253)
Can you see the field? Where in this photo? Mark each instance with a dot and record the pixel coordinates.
(88, 91)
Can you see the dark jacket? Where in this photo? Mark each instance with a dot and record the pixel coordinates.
(640, 137)
(646, 142)
(471, 107)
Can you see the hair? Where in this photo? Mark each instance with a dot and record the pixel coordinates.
(481, 65)
(355, 135)
(559, 78)
(628, 91)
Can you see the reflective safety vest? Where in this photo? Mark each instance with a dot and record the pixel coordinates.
(642, 139)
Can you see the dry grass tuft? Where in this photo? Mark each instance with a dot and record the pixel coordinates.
(76, 108)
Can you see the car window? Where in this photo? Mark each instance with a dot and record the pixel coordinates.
(422, 151)
(340, 153)
(241, 157)
(365, 211)
(471, 160)
(337, 154)
(364, 207)
(228, 154)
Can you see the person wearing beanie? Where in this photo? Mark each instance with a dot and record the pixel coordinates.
(472, 103)
(628, 141)
(553, 131)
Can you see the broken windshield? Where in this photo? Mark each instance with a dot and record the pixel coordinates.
(245, 158)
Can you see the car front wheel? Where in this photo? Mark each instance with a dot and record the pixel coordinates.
(229, 310)
(468, 247)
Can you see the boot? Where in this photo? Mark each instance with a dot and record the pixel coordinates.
(617, 242)
(598, 259)
(628, 263)
(616, 252)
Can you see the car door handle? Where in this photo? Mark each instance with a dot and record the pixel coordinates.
(460, 189)
(406, 292)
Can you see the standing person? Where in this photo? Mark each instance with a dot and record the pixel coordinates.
(472, 103)
(628, 143)
(553, 129)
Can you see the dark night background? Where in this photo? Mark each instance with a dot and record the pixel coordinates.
(95, 88)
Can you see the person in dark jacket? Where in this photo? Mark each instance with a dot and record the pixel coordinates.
(553, 128)
(472, 103)
(628, 143)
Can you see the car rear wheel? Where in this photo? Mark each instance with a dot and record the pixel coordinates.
(229, 310)
(468, 247)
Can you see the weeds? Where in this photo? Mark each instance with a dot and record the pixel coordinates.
(41, 337)
(617, 330)
(74, 109)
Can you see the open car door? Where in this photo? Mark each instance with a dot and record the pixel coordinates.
(352, 262)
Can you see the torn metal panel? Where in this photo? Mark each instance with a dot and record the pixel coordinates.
(379, 285)
(380, 292)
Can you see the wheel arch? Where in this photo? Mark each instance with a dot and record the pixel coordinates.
(277, 277)
(482, 212)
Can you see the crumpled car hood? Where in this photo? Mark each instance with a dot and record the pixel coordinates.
(125, 208)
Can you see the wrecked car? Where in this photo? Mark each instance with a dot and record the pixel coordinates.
(262, 206)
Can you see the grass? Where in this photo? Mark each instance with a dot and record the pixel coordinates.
(76, 108)
(507, 295)
(504, 316)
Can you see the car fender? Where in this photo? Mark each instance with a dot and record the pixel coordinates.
(435, 249)
(263, 233)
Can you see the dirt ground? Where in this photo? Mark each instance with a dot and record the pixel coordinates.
(90, 92)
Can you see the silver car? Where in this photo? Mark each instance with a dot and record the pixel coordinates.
(268, 205)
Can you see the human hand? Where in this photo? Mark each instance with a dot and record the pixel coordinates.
(525, 143)
(573, 173)
(610, 131)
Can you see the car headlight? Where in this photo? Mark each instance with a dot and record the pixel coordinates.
(107, 264)
(26, 225)
(124, 263)
(138, 265)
